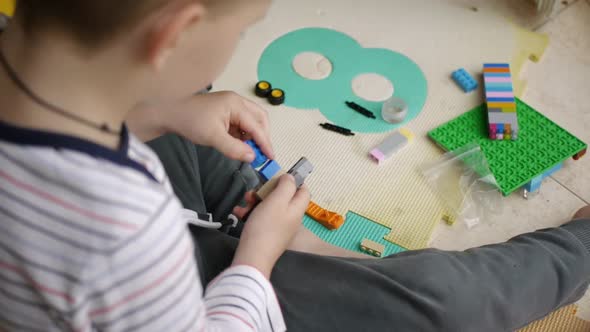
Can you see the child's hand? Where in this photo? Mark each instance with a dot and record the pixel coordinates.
(272, 225)
(222, 120)
(242, 211)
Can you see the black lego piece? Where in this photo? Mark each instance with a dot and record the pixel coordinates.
(337, 129)
(361, 109)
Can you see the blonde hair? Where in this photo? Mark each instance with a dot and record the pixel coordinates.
(91, 22)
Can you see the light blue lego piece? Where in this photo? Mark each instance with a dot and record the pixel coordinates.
(496, 65)
(553, 170)
(504, 88)
(260, 157)
(497, 75)
(535, 183)
(464, 80)
(269, 170)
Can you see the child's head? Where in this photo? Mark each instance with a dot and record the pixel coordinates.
(179, 46)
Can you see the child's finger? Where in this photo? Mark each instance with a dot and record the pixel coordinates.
(251, 201)
(284, 191)
(234, 148)
(259, 113)
(251, 198)
(240, 212)
(301, 199)
(261, 136)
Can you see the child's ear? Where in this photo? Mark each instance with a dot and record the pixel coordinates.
(169, 30)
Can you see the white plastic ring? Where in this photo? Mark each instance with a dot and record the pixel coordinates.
(394, 110)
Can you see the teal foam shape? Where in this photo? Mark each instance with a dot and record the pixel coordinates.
(355, 229)
(349, 59)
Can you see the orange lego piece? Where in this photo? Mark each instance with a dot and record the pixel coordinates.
(580, 154)
(496, 70)
(330, 220)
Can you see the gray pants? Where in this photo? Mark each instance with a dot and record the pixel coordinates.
(499, 287)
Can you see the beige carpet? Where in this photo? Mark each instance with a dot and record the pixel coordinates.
(563, 320)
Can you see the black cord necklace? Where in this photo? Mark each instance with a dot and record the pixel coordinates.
(104, 127)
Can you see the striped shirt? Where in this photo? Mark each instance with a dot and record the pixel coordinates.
(92, 239)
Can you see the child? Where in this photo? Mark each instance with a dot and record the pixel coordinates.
(92, 236)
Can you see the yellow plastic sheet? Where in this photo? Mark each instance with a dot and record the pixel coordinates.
(7, 6)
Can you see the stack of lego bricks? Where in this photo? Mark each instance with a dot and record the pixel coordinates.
(502, 116)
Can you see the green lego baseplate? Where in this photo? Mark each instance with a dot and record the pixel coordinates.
(355, 229)
(541, 145)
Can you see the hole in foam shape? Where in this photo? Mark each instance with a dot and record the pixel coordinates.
(372, 87)
(312, 66)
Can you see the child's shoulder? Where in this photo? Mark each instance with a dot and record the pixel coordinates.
(72, 218)
(95, 201)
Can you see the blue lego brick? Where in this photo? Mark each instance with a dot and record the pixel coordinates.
(553, 170)
(464, 80)
(269, 170)
(535, 183)
(260, 157)
(501, 100)
(496, 65)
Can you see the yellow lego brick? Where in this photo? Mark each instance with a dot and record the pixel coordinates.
(449, 219)
(407, 133)
(372, 247)
(502, 105)
(507, 129)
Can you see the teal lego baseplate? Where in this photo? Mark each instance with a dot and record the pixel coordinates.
(541, 145)
(355, 229)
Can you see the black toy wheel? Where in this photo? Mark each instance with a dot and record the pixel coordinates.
(276, 97)
(263, 89)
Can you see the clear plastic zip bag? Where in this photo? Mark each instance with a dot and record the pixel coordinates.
(463, 181)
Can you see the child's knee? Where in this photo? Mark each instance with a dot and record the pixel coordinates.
(583, 213)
